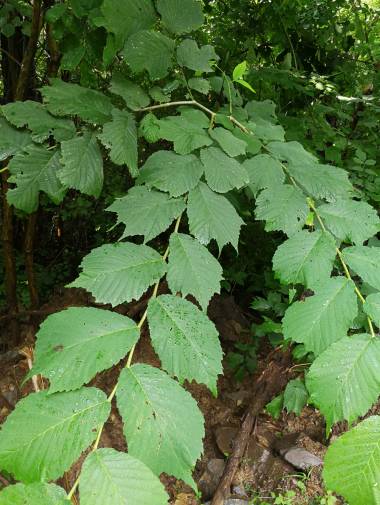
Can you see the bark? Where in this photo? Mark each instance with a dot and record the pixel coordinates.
(22, 87)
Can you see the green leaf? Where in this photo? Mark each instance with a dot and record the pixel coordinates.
(344, 381)
(324, 318)
(228, 142)
(150, 128)
(185, 340)
(65, 422)
(91, 339)
(181, 16)
(265, 109)
(352, 464)
(222, 172)
(82, 165)
(149, 50)
(107, 477)
(171, 172)
(322, 181)
(192, 269)
(132, 94)
(35, 116)
(239, 71)
(245, 84)
(32, 171)
(37, 493)
(195, 116)
(295, 396)
(64, 99)
(128, 17)
(275, 406)
(283, 208)
(212, 216)
(372, 307)
(191, 56)
(266, 130)
(120, 136)
(162, 422)
(199, 84)
(184, 133)
(350, 221)
(12, 141)
(253, 143)
(292, 152)
(146, 212)
(117, 273)
(365, 261)
(263, 172)
(306, 258)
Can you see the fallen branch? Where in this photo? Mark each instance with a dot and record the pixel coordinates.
(270, 383)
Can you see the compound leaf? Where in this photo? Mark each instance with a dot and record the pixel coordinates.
(167, 171)
(365, 261)
(162, 422)
(305, 258)
(149, 50)
(283, 208)
(146, 212)
(222, 172)
(185, 340)
(67, 422)
(263, 172)
(192, 269)
(181, 16)
(106, 479)
(212, 216)
(34, 170)
(324, 318)
(350, 221)
(120, 136)
(82, 165)
(230, 144)
(75, 344)
(38, 493)
(117, 273)
(344, 381)
(352, 463)
(64, 99)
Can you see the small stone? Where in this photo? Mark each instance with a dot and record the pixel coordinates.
(235, 501)
(239, 490)
(301, 458)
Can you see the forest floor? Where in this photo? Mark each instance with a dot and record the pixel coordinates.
(264, 474)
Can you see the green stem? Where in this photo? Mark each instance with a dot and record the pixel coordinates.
(4, 169)
(129, 359)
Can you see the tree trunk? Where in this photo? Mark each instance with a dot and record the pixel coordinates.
(22, 87)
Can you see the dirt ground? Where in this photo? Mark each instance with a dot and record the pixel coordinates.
(262, 471)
